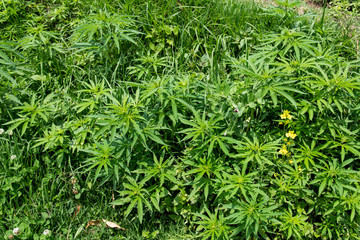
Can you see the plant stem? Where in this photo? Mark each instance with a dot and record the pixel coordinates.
(323, 14)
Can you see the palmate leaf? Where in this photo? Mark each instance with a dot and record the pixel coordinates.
(160, 170)
(217, 140)
(215, 225)
(85, 104)
(296, 64)
(269, 81)
(257, 67)
(254, 150)
(308, 154)
(284, 94)
(252, 215)
(295, 226)
(31, 112)
(282, 89)
(102, 154)
(205, 170)
(334, 81)
(291, 39)
(238, 183)
(334, 176)
(137, 195)
(345, 143)
(17, 122)
(104, 28)
(200, 126)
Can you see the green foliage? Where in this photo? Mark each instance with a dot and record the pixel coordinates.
(224, 118)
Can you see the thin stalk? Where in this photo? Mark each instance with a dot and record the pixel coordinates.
(323, 14)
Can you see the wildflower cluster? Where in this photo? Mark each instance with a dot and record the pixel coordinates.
(9, 133)
(291, 134)
(16, 231)
(46, 232)
(73, 182)
(286, 115)
(283, 150)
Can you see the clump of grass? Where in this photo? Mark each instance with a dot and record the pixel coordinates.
(177, 120)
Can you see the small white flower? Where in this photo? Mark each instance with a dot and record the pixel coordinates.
(16, 231)
(13, 157)
(1, 131)
(10, 133)
(46, 232)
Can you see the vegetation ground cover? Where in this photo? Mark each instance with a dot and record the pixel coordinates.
(177, 120)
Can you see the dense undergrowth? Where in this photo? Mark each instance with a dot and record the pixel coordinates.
(177, 119)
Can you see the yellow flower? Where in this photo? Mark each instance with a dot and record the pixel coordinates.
(286, 112)
(291, 134)
(291, 161)
(285, 139)
(288, 143)
(280, 123)
(286, 115)
(283, 151)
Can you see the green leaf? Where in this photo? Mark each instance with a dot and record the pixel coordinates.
(155, 203)
(140, 210)
(156, 139)
(274, 98)
(130, 208)
(13, 98)
(287, 96)
(352, 216)
(222, 146)
(322, 186)
(7, 76)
